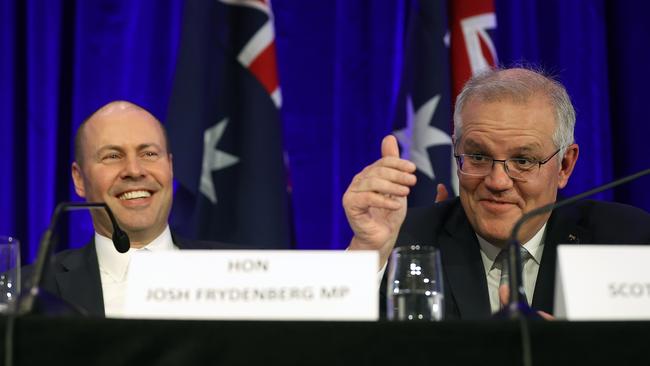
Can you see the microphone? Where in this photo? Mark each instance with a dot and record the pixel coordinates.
(119, 237)
(517, 306)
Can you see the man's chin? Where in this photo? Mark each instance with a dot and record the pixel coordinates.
(496, 233)
(143, 231)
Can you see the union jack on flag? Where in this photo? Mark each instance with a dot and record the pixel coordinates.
(472, 48)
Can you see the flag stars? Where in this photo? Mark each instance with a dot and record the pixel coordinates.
(419, 135)
(214, 159)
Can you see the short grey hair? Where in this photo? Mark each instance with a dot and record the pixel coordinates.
(519, 85)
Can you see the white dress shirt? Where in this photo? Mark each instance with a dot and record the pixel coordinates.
(489, 252)
(114, 266)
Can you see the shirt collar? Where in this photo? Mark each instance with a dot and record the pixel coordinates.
(115, 264)
(534, 246)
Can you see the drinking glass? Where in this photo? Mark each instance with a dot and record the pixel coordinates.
(414, 288)
(9, 273)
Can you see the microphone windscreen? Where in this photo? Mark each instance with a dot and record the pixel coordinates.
(121, 240)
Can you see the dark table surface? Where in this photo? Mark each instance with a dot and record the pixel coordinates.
(92, 341)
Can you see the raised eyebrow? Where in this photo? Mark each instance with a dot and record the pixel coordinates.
(146, 146)
(531, 149)
(475, 145)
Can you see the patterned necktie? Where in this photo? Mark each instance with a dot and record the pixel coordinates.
(504, 280)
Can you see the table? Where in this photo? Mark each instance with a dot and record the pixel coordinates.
(94, 341)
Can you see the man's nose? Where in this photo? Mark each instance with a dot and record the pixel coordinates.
(498, 179)
(133, 168)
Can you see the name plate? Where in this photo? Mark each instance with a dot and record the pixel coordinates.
(253, 285)
(597, 282)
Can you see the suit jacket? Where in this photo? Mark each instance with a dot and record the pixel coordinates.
(73, 276)
(445, 226)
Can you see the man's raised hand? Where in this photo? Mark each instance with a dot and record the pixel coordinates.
(375, 201)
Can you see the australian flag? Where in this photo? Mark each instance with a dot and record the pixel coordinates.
(225, 129)
(423, 121)
(473, 26)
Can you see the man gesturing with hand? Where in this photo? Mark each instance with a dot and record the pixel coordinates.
(514, 148)
(375, 201)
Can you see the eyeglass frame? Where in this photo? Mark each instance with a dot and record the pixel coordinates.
(505, 165)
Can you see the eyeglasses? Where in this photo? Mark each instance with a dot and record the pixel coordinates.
(520, 169)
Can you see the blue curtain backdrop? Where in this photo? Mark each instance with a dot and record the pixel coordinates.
(339, 65)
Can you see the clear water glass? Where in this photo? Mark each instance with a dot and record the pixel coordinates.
(414, 289)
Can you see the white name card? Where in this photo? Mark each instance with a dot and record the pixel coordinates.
(597, 282)
(253, 285)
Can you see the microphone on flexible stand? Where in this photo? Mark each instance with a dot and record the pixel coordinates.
(119, 237)
(517, 306)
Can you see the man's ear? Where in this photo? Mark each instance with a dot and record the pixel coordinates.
(78, 180)
(568, 163)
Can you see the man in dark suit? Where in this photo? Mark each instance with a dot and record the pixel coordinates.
(122, 159)
(514, 146)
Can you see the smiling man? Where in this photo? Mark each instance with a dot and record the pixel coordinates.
(514, 147)
(122, 159)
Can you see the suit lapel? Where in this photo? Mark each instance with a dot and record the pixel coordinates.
(562, 228)
(79, 282)
(464, 270)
